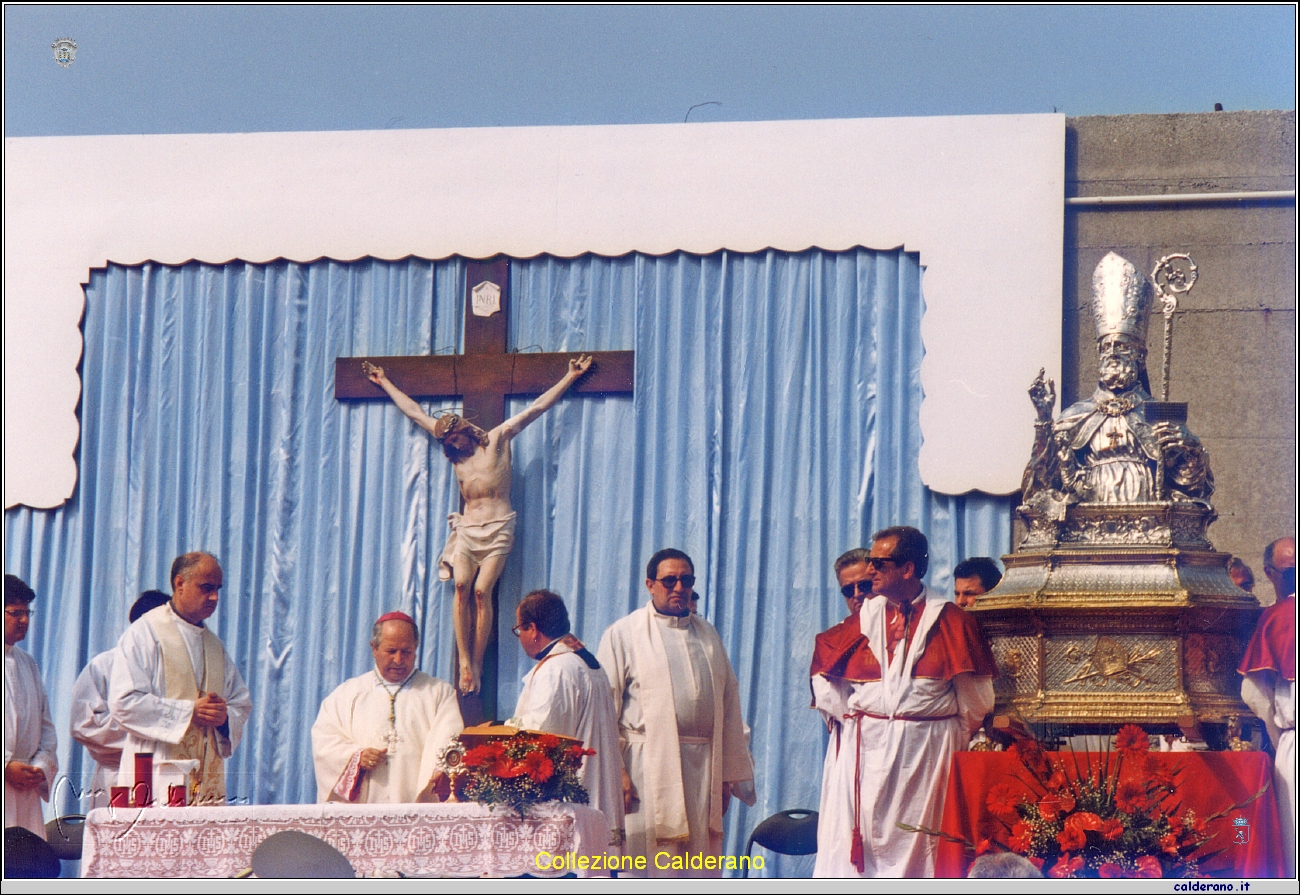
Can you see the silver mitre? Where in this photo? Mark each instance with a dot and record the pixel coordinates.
(1121, 299)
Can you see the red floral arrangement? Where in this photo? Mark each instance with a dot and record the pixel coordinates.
(516, 770)
(1119, 818)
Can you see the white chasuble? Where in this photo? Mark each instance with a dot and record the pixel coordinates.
(563, 695)
(93, 726)
(413, 721)
(678, 704)
(162, 664)
(29, 738)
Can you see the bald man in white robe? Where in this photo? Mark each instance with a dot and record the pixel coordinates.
(175, 690)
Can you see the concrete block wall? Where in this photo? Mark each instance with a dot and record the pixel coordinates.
(1234, 343)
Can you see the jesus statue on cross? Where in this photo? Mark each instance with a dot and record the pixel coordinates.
(483, 533)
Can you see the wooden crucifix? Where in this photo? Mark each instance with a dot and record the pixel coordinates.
(483, 377)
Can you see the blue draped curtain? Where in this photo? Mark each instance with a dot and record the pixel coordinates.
(774, 424)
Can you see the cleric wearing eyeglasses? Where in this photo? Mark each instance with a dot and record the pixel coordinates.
(678, 707)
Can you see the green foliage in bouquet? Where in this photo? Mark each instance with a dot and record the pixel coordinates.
(1119, 818)
(517, 771)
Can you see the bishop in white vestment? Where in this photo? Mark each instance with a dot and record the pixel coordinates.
(680, 725)
(175, 690)
(567, 693)
(378, 736)
(30, 741)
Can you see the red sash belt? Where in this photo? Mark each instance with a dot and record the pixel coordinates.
(857, 852)
(900, 717)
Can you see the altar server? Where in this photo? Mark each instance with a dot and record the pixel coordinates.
(680, 726)
(92, 724)
(378, 736)
(30, 741)
(174, 689)
(567, 693)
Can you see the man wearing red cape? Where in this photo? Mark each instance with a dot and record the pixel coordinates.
(1268, 688)
(839, 663)
(915, 686)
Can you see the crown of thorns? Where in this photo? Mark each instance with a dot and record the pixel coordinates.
(450, 423)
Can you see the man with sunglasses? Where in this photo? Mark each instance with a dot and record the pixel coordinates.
(838, 666)
(927, 686)
(680, 728)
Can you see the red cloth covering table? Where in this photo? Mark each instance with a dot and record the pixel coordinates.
(457, 839)
(1208, 782)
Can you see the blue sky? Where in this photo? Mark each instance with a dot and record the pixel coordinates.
(215, 69)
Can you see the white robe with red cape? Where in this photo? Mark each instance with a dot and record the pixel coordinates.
(923, 708)
(1268, 688)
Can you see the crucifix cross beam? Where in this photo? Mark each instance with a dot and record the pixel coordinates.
(487, 373)
(483, 377)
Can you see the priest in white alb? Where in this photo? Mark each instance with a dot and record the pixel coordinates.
(680, 726)
(30, 741)
(378, 736)
(175, 690)
(567, 693)
(92, 724)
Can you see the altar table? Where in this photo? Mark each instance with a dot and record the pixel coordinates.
(1208, 782)
(449, 839)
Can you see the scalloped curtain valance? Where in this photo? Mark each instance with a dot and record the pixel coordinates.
(979, 198)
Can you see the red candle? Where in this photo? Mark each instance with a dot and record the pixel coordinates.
(142, 792)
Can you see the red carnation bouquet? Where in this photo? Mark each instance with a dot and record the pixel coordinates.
(1117, 817)
(515, 768)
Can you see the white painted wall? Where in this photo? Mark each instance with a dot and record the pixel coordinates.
(980, 197)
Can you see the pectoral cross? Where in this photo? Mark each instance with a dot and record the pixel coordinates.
(391, 739)
(483, 377)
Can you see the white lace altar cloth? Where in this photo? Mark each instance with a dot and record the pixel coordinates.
(450, 839)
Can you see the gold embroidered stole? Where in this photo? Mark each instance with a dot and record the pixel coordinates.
(208, 782)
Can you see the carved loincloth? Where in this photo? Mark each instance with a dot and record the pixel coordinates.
(478, 541)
